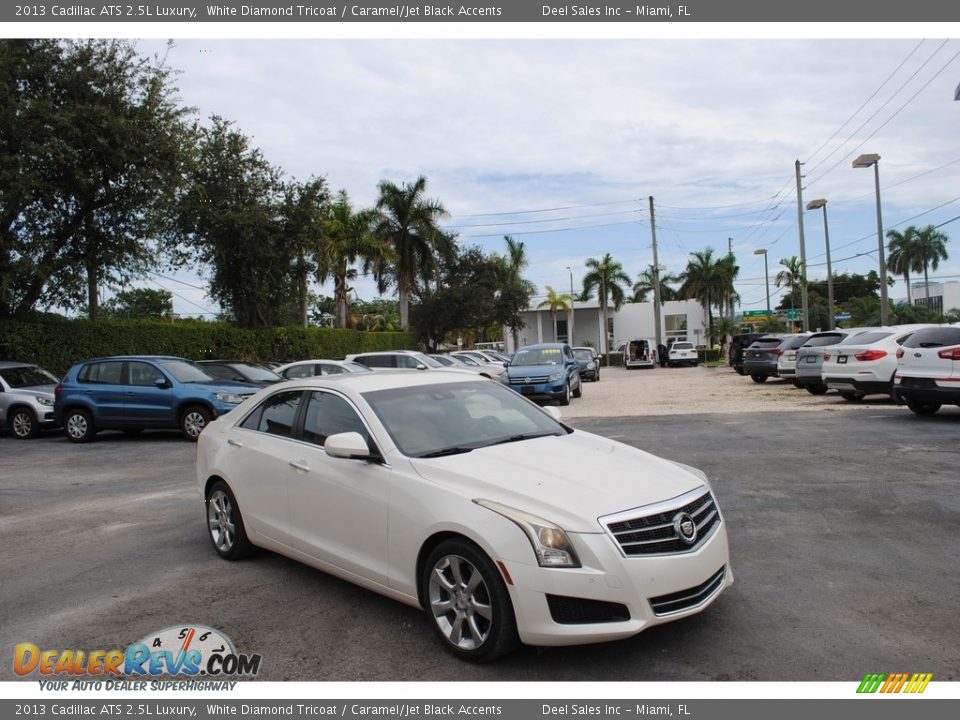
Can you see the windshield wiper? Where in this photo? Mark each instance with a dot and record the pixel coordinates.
(443, 452)
(524, 436)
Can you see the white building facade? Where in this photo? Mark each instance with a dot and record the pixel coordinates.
(944, 296)
(681, 320)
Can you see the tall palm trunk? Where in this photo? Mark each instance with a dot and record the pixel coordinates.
(906, 279)
(404, 308)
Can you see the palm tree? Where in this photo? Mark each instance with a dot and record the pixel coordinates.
(556, 302)
(607, 276)
(408, 224)
(931, 247)
(902, 256)
(349, 237)
(791, 277)
(514, 263)
(703, 281)
(727, 272)
(645, 284)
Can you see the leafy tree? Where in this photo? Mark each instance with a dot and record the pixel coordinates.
(791, 277)
(139, 303)
(408, 224)
(930, 246)
(92, 144)
(607, 278)
(349, 238)
(902, 256)
(556, 302)
(647, 279)
(517, 289)
(302, 215)
(231, 222)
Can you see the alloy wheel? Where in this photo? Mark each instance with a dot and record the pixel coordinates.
(460, 602)
(223, 530)
(22, 424)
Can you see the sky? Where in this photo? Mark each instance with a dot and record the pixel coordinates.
(560, 142)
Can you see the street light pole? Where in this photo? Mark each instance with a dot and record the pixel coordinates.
(813, 205)
(570, 328)
(805, 310)
(862, 162)
(766, 273)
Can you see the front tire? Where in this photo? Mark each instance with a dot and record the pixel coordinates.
(78, 426)
(759, 378)
(193, 421)
(579, 391)
(23, 424)
(565, 400)
(225, 523)
(467, 602)
(816, 389)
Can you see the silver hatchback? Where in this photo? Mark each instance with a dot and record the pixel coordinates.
(26, 398)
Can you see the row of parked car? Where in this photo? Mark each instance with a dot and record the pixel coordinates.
(915, 364)
(134, 393)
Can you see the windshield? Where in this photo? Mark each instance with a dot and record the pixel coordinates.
(427, 360)
(539, 356)
(434, 420)
(256, 373)
(444, 360)
(27, 376)
(867, 338)
(682, 346)
(584, 355)
(351, 366)
(186, 372)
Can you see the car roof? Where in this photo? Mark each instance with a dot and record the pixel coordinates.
(381, 380)
(539, 346)
(135, 357)
(7, 364)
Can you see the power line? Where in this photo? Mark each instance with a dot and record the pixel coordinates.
(544, 220)
(542, 210)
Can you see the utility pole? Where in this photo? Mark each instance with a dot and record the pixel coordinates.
(657, 329)
(803, 255)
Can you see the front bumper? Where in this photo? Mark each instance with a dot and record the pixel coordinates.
(556, 390)
(681, 584)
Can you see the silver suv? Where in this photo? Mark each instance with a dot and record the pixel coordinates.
(26, 398)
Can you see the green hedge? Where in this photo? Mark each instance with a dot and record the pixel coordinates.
(57, 344)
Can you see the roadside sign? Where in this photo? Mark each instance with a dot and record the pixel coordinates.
(793, 314)
(842, 316)
(757, 313)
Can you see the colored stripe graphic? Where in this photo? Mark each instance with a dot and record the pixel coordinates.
(894, 682)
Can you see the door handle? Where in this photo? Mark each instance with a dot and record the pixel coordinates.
(299, 465)
(234, 443)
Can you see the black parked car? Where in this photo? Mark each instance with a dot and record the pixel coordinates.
(739, 343)
(760, 359)
(238, 371)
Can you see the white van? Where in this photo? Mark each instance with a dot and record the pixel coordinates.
(641, 352)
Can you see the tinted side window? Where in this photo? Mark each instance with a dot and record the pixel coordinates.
(107, 373)
(144, 374)
(407, 361)
(275, 415)
(331, 369)
(933, 337)
(299, 371)
(329, 414)
(380, 361)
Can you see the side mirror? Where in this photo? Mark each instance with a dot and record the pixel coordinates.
(161, 383)
(421, 366)
(349, 445)
(553, 412)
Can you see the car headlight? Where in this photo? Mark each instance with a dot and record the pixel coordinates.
(44, 400)
(550, 543)
(556, 376)
(591, 365)
(229, 398)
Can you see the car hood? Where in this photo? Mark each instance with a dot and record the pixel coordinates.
(534, 370)
(227, 386)
(570, 480)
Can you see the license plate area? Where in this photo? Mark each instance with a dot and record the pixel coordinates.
(841, 359)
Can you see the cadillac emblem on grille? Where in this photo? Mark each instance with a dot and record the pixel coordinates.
(686, 528)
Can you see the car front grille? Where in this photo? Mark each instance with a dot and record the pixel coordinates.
(580, 611)
(539, 380)
(656, 533)
(689, 598)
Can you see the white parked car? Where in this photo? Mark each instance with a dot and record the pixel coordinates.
(681, 353)
(787, 360)
(809, 362)
(464, 498)
(408, 360)
(928, 369)
(865, 364)
(310, 368)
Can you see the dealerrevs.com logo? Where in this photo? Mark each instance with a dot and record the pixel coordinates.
(184, 651)
(894, 683)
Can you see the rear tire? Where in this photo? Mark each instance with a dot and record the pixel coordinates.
(225, 523)
(817, 389)
(23, 424)
(922, 408)
(759, 378)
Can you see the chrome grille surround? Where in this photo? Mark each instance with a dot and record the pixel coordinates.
(538, 380)
(690, 598)
(653, 529)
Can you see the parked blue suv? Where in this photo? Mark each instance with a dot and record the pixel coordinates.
(141, 391)
(547, 371)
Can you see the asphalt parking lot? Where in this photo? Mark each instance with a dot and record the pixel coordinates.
(843, 530)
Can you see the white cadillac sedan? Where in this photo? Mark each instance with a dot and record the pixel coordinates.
(463, 498)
